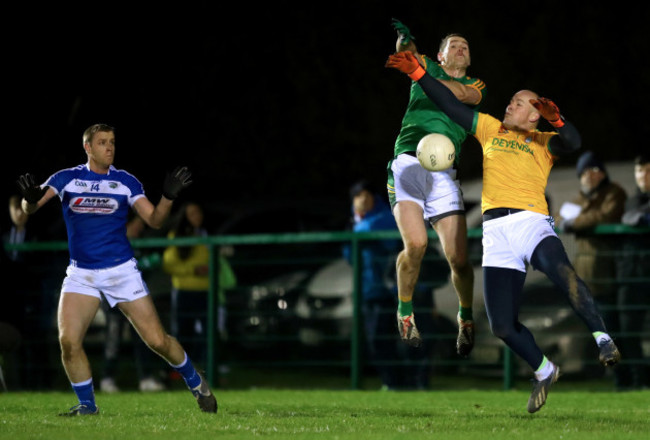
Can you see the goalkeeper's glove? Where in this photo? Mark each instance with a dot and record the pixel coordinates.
(549, 111)
(403, 32)
(30, 191)
(406, 62)
(176, 181)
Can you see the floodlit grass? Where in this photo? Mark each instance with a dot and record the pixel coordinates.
(320, 414)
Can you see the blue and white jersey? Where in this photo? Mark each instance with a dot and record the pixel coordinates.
(95, 210)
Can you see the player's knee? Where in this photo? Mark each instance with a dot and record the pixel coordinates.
(163, 344)
(501, 330)
(159, 343)
(457, 258)
(415, 249)
(69, 346)
(459, 264)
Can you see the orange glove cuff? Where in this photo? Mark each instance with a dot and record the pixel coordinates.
(417, 73)
(557, 123)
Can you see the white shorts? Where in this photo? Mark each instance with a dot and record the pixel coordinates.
(437, 192)
(121, 283)
(509, 241)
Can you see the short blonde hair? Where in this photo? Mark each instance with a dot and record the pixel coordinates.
(90, 131)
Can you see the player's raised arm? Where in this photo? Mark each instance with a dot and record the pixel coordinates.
(33, 195)
(405, 40)
(175, 182)
(569, 139)
(444, 98)
(464, 93)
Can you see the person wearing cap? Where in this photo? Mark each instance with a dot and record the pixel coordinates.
(600, 201)
(633, 270)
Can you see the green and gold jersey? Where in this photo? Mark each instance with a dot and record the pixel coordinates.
(423, 116)
(516, 165)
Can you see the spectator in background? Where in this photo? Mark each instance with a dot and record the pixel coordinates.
(634, 287)
(378, 288)
(637, 207)
(599, 201)
(12, 312)
(189, 269)
(18, 231)
(10, 341)
(17, 263)
(116, 325)
(29, 304)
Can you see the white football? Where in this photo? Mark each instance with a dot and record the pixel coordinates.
(436, 152)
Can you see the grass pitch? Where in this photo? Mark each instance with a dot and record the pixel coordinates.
(324, 414)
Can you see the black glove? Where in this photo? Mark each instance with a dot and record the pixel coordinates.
(29, 189)
(175, 182)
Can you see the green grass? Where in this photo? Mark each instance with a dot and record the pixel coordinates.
(324, 414)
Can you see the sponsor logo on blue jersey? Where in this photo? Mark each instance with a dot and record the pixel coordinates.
(93, 205)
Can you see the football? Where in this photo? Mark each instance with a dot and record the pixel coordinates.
(436, 152)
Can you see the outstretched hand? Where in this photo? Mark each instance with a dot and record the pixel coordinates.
(404, 32)
(176, 181)
(406, 62)
(548, 110)
(30, 191)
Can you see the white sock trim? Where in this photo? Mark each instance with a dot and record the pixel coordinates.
(182, 363)
(544, 371)
(81, 384)
(602, 337)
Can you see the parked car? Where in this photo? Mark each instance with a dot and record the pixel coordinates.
(312, 312)
(271, 277)
(307, 308)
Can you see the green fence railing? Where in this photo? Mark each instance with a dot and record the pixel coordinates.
(355, 239)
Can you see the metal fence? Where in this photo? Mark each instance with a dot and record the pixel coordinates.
(278, 317)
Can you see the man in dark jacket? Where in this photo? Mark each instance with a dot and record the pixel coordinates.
(371, 213)
(634, 282)
(378, 295)
(600, 201)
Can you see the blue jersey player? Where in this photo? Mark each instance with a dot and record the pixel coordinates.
(96, 199)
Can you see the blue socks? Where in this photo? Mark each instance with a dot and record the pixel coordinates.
(189, 373)
(85, 393)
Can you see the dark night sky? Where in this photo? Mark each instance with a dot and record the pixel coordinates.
(271, 102)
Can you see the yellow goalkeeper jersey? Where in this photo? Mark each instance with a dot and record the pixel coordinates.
(516, 165)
